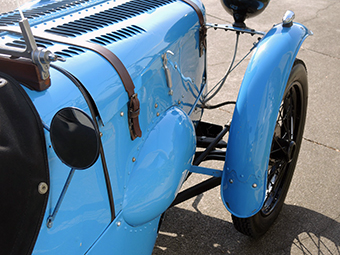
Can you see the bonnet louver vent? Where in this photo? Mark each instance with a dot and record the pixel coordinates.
(67, 52)
(11, 18)
(118, 35)
(107, 17)
(21, 43)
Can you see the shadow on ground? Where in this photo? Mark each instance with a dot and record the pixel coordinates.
(297, 231)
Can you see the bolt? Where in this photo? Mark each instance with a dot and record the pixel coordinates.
(42, 188)
(133, 159)
(118, 223)
(121, 114)
(254, 185)
(156, 105)
(49, 223)
(231, 180)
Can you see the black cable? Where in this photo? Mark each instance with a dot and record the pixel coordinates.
(217, 105)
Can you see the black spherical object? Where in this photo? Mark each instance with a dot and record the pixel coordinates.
(242, 9)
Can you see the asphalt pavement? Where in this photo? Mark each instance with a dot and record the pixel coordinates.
(310, 219)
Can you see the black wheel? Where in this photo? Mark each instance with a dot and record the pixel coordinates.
(284, 153)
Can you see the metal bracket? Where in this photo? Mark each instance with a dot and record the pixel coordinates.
(51, 218)
(39, 56)
(167, 70)
(206, 171)
(228, 27)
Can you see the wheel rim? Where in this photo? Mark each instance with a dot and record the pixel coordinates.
(283, 151)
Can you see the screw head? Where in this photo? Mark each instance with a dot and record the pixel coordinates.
(42, 188)
(254, 185)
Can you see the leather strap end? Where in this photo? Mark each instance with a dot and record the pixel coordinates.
(133, 113)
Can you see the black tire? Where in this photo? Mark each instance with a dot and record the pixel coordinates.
(284, 153)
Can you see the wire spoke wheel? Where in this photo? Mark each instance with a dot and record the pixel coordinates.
(283, 155)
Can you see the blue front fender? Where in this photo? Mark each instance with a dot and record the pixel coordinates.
(244, 178)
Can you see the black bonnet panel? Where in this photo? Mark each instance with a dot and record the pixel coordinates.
(23, 167)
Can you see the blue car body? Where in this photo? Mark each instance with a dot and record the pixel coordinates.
(119, 210)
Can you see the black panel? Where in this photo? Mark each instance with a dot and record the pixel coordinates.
(23, 168)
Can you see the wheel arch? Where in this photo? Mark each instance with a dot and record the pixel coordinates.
(244, 177)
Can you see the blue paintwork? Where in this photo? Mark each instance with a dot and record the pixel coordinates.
(144, 189)
(121, 238)
(147, 173)
(160, 168)
(84, 212)
(254, 119)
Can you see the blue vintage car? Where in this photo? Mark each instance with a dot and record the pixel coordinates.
(100, 122)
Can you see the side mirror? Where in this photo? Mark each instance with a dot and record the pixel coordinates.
(75, 138)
